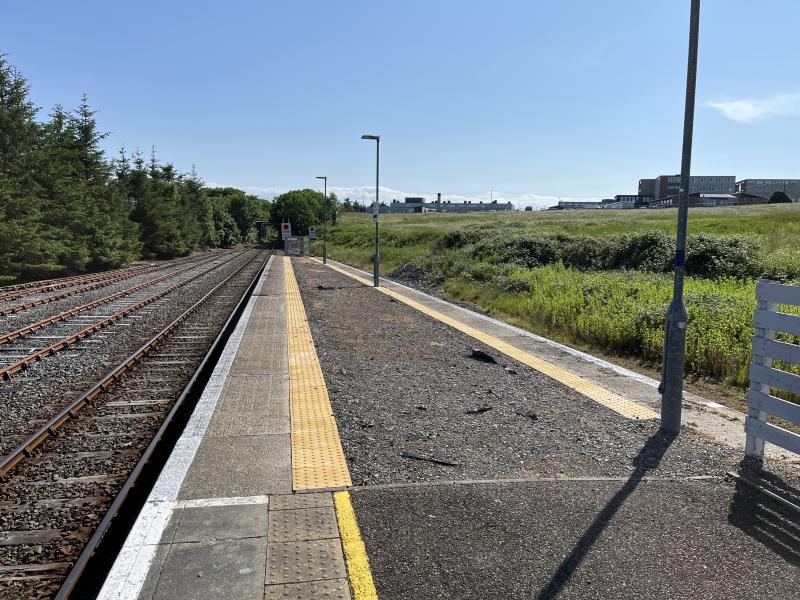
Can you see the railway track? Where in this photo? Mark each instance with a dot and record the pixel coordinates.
(66, 482)
(20, 290)
(118, 311)
(82, 289)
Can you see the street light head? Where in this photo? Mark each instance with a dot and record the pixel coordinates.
(367, 136)
(322, 177)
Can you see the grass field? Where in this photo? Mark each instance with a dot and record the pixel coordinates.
(511, 265)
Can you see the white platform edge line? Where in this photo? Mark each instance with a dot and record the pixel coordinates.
(232, 501)
(130, 569)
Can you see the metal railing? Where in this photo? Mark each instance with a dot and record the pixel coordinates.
(764, 378)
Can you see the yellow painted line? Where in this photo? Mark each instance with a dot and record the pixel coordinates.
(620, 404)
(355, 553)
(317, 457)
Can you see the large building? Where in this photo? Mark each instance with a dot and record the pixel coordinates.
(665, 186)
(765, 187)
(420, 205)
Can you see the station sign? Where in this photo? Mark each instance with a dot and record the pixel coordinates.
(286, 231)
(312, 233)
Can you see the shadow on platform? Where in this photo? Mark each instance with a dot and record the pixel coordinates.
(649, 458)
(765, 519)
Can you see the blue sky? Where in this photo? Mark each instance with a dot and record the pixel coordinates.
(532, 99)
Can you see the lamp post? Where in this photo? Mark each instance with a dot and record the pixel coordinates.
(376, 211)
(325, 221)
(671, 387)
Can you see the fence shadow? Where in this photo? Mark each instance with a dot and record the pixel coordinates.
(648, 458)
(763, 518)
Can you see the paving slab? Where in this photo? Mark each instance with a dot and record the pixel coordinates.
(329, 589)
(294, 501)
(203, 570)
(247, 465)
(215, 523)
(303, 524)
(295, 562)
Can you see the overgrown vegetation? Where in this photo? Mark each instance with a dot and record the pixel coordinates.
(599, 279)
(65, 208)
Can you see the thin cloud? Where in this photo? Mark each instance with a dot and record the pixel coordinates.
(748, 110)
(366, 194)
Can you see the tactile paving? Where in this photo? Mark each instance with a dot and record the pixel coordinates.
(294, 562)
(294, 501)
(327, 589)
(303, 524)
(318, 460)
(619, 404)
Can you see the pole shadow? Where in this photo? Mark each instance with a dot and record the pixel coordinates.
(763, 518)
(649, 458)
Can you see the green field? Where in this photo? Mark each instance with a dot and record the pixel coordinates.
(598, 279)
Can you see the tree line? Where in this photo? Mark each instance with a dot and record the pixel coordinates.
(66, 208)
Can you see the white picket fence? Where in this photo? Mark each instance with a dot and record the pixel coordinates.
(764, 377)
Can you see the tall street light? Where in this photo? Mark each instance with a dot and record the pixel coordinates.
(325, 221)
(675, 324)
(376, 211)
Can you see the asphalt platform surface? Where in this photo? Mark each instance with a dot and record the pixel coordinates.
(490, 480)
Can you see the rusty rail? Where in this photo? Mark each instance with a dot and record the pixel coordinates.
(48, 285)
(80, 566)
(21, 364)
(36, 439)
(33, 327)
(126, 274)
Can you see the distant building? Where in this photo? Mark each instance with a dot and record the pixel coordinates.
(665, 186)
(417, 204)
(575, 205)
(765, 187)
(647, 187)
(707, 200)
(628, 201)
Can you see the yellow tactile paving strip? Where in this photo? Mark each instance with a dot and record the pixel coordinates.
(317, 457)
(620, 404)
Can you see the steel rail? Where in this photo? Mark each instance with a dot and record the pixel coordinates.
(33, 327)
(128, 274)
(35, 439)
(72, 579)
(56, 284)
(21, 364)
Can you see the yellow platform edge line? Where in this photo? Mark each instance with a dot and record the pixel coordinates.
(318, 460)
(358, 569)
(594, 391)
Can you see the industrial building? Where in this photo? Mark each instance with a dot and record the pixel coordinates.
(665, 186)
(766, 187)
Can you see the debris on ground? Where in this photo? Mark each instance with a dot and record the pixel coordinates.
(430, 459)
(478, 411)
(483, 356)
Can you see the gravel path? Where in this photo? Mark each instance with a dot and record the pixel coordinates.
(406, 392)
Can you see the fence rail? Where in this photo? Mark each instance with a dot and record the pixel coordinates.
(764, 377)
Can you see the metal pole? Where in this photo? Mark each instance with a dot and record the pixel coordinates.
(376, 274)
(675, 324)
(325, 227)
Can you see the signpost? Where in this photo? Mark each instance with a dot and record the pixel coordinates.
(286, 231)
(312, 233)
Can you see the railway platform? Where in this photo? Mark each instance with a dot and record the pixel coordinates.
(359, 443)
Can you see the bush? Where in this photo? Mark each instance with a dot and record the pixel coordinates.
(715, 256)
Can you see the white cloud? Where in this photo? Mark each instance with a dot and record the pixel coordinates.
(366, 194)
(748, 110)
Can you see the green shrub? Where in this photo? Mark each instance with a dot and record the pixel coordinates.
(712, 256)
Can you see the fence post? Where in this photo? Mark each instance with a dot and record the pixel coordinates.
(754, 446)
